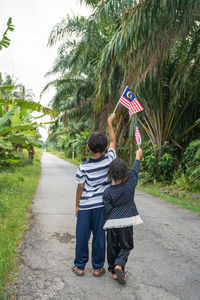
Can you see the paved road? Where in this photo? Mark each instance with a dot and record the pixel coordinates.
(165, 264)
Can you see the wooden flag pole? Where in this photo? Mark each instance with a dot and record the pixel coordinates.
(118, 101)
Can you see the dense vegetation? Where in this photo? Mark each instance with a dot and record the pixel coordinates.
(18, 128)
(151, 46)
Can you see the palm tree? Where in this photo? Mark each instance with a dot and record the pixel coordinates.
(76, 62)
(156, 48)
(151, 46)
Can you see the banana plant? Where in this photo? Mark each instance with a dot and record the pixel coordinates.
(15, 134)
(17, 130)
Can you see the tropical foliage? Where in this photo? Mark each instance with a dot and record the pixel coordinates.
(18, 129)
(70, 140)
(151, 46)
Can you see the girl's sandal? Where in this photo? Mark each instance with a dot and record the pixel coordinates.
(124, 274)
(120, 276)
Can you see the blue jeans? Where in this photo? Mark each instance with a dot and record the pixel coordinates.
(91, 220)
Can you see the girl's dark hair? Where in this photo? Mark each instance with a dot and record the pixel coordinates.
(97, 142)
(118, 170)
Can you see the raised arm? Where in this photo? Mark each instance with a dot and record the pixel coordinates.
(111, 132)
(133, 177)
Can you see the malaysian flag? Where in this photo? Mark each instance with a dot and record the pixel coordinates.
(129, 100)
(137, 136)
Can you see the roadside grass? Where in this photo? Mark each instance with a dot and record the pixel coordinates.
(177, 195)
(17, 187)
(62, 155)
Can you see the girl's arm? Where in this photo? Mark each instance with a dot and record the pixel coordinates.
(133, 177)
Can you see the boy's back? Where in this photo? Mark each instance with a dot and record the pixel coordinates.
(94, 173)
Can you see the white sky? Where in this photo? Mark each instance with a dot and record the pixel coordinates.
(28, 58)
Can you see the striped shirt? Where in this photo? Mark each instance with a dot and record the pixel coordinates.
(94, 173)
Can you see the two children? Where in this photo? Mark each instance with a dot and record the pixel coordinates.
(93, 192)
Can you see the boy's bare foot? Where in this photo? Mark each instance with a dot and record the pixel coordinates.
(77, 271)
(99, 272)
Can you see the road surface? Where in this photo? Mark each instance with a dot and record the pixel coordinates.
(164, 265)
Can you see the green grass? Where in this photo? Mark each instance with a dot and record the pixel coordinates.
(17, 188)
(62, 155)
(176, 195)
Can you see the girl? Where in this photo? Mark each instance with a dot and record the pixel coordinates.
(120, 214)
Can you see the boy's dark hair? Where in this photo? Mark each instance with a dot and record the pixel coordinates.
(97, 142)
(118, 170)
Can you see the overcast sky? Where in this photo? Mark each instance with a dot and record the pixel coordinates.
(28, 58)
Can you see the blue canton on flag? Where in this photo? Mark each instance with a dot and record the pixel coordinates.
(129, 100)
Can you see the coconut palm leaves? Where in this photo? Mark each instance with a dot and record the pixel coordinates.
(77, 62)
(171, 98)
(148, 31)
(153, 37)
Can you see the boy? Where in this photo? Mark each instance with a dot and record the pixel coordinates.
(92, 179)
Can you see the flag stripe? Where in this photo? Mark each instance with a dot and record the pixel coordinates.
(124, 101)
(135, 107)
(138, 103)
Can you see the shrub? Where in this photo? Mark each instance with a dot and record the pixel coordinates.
(191, 159)
(157, 162)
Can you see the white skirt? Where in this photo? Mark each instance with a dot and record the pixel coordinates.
(124, 222)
